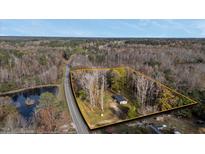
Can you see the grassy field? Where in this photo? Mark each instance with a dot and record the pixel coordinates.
(94, 117)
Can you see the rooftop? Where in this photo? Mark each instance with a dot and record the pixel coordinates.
(118, 98)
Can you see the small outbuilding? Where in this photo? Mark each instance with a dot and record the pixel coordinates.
(119, 99)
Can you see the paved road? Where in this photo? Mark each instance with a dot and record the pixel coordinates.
(80, 124)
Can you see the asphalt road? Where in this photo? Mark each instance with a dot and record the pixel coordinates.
(76, 116)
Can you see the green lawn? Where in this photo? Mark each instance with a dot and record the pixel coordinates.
(93, 116)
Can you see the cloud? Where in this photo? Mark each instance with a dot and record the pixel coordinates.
(104, 28)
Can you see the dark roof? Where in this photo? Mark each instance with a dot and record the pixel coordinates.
(119, 98)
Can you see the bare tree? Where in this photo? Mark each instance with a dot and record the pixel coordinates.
(102, 93)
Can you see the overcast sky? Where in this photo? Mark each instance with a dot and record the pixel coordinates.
(103, 28)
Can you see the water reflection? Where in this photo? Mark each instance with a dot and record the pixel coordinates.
(26, 101)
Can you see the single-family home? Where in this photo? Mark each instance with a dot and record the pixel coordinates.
(119, 99)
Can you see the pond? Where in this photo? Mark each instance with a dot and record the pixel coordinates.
(26, 101)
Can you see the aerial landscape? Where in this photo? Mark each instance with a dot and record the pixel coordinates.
(87, 76)
(110, 95)
(64, 85)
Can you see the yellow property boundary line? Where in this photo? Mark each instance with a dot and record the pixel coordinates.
(139, 73)
(29, 88)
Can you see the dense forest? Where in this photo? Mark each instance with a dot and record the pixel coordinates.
(179, 64)
(27, 63)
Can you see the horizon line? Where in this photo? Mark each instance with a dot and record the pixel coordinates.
(99, 37)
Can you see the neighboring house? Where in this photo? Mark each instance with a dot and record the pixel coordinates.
(119, 99)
